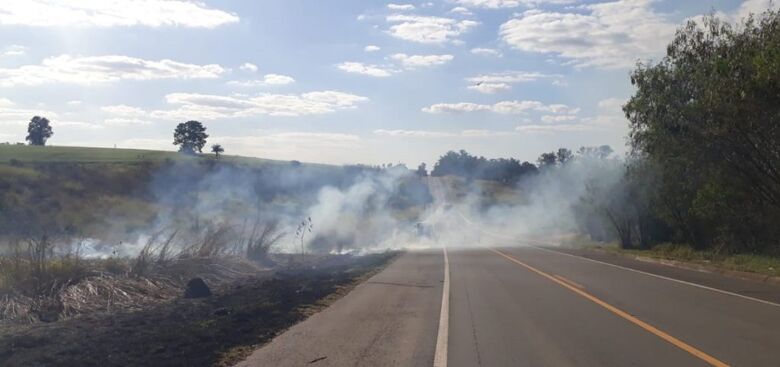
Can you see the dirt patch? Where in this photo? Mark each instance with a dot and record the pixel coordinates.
(215, 331)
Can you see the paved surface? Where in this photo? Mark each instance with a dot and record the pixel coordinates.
(527, 306)
(390, 320)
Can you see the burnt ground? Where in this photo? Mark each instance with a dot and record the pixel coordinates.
(216, 331)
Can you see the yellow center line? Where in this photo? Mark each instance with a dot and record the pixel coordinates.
(674, 341)
(571, 282)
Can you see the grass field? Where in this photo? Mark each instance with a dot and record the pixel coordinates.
(27, 153)
(752, 263)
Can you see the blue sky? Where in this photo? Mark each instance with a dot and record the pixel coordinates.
(334, 81)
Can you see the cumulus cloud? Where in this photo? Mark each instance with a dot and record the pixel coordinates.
(486, 52)
(548, 129)
(13, 50)
(15, 115)
(378, 71)
(415, 61)
(605, 35)
(401, 7)
(753, 7)
(211, 107)
(103, 69)
(112, 13)
(428, 29)
(268, 79)
(502, 81)
(441, 134)
(504, 107)
(249, 67)
(490, 4)
(461, 10)
(498, 4)
(372, 48)
(490, 88)
(558, 118)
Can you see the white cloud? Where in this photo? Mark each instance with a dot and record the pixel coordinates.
(118, 121)
(5, 102)
(558, 118)
(401, 7)
(499, 4)
(78, 125)
(366, 69)
(112, 13)
(75, 102)
(753, 6)
(486, 52)
(268, 79)
(12, 114)
(211, 107)
(490, 4)
(441, 134)
(490, 88)
(103, 69)
(548, 129)
(502, 81)
(461, 10)
(249, 67)
(614, 105)
(13, 50)
(606, 35)
(428, 29)
(504, 107)
(123, 110)
(372, 48)
(415, 61)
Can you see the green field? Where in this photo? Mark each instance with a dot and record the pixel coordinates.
(27, 153)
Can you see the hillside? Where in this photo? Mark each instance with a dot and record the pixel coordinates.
(63, 154)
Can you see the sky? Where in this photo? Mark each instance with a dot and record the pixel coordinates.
(340, 81)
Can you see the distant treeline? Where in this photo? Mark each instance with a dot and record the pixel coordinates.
(508, 170)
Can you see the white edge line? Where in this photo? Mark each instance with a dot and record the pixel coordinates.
(664, 277)
(440, 358)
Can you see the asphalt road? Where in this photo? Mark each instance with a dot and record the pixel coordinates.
(527, 306)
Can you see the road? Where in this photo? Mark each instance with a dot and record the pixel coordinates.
(530, 306)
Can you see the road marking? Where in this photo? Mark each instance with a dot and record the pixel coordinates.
(663, 277)
(672, 340)
(440, 358)
(561, 277)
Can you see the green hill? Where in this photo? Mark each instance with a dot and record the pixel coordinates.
(52, 154)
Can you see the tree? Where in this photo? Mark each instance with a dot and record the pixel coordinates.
(707, 117)
(217, 149)
(564, 156)
(38, 131)
(547, 160)
(190, 136)
(421, 170)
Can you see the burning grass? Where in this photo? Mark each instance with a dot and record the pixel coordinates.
(39, 283)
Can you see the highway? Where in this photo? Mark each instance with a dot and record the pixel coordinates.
(531, 306)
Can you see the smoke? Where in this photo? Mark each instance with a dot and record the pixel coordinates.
(358, 209)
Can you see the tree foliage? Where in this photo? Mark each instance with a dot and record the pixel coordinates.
(707, 118)
(217, 149)
(469, 166)
(38, 131)
(190, 136)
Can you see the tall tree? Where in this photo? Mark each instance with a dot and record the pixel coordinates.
(547, 160)
(217, 149)
(564, 155)
(708, 117)
(190, 136)
(38, 131)
(421, 170)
